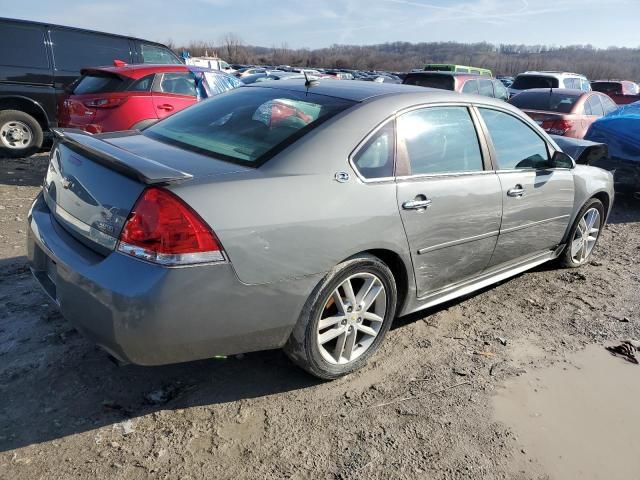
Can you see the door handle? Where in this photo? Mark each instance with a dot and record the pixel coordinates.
(516, 191)
(165, 106)
(417, 204)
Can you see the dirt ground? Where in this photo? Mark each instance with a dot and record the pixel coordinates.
(423, 408)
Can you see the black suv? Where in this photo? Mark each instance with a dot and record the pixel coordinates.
(38, 61)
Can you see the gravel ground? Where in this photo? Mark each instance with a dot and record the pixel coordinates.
(420, 409)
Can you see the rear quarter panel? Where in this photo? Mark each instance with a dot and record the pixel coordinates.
(588, 182)
(291, 218)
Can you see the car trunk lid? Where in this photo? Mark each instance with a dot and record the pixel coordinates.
(92, 183)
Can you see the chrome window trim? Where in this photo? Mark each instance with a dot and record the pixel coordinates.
(422, 176)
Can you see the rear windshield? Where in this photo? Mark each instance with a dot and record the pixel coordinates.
(526, 82)
(548, 101)
(97, 84)
(607, 87)
(247, 125)
(443, 82)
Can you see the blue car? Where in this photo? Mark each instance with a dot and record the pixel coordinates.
(620, 130)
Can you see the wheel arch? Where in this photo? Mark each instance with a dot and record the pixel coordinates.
(28, 106)
(399, 270)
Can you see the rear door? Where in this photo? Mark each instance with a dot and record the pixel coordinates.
(174, 91)
(450, 202)
(537, 200)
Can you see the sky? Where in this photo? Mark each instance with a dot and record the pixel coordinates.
(321, 23)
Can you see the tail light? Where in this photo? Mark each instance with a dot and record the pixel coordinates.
(109, 102)
(163, 229)
(557, 127)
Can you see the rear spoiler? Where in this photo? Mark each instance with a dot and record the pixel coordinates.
(139, 168)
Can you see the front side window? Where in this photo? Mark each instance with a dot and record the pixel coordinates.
(501, 91)
(247, 125)
(439, 140)
(470, 86)
(486, 88)
(516, 145)
(157, 54)
(573, 83)
(375, 158)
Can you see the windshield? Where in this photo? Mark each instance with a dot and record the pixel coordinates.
(247, 125)
(548, 101)
(443, 82)
(526, 82)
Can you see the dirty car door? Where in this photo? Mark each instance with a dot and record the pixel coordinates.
(449, 202)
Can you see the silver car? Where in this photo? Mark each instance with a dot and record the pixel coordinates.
(301, 215)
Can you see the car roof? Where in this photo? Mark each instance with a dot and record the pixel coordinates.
(141, 70)
(77, 29)
(449, 74)
(546, 73)
(347, 89)
(562, 91)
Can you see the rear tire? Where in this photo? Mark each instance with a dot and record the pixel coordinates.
(20, 134)
(353, 323)
(584, 235)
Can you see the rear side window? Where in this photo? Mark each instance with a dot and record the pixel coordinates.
(375, 158)
(439, 140)
(443, 82)
(22, 46)
(594, 105)
(98, 84)
(247, 125)
(178, 84)
(501, 91)
(74, 50)
(143, 84)
(157, 54)
(526, 82)
(515, 143)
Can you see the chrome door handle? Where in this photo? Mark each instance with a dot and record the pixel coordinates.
(416, 204)
(516, 191)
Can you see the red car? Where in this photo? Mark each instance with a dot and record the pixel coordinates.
(621, 92)
(108, 99)
(564, 112)
(459, 82)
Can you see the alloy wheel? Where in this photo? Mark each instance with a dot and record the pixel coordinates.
(351, 318)
(585, 236)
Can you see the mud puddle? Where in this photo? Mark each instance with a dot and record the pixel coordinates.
(577, 419)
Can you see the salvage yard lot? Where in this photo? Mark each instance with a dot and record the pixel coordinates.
(421, 409)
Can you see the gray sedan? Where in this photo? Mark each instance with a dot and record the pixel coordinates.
(302, 215)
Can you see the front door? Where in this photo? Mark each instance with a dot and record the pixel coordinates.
(449, 202)
(537, 199)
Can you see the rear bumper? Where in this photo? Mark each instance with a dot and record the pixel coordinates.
(150, 315)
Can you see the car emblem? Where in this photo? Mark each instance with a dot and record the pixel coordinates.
(341, 177)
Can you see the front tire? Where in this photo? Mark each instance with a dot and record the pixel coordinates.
(584, 234)
(20, 134)
(345, 319)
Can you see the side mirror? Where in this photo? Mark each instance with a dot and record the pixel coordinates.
(562, 160)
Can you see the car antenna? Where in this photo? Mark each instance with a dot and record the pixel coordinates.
(309, 82)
